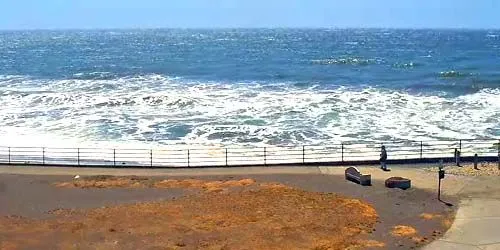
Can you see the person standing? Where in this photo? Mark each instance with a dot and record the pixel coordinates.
(383, 159)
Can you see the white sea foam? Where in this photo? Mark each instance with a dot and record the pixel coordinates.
(154, 110)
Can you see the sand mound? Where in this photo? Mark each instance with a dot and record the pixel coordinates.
(272, 217)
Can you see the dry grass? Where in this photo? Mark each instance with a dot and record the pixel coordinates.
(136, 182)
(427, 216)
(272, 216)
(403, 231)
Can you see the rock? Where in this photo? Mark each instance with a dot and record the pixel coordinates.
(398, 182)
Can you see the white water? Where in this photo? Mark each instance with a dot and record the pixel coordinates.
(153, 110)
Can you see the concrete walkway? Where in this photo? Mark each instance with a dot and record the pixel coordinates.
(477, 223)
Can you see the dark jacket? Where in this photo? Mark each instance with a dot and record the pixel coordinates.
(383, 155)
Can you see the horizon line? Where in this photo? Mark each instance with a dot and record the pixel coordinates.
(250, 28)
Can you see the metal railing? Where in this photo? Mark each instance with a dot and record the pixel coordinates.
(175, 156)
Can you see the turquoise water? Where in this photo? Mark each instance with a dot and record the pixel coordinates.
(247, 87)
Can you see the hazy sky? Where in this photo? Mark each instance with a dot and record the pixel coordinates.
(56, 14)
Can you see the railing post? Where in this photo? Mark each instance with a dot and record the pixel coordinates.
(114, 157)
(43, 156)
(9, 155)
(421, 149)
(303, 154)
(151, 158)
(342, 152)
(476, 160)
(188, 159)
(460, 146)
(265, 160)
(78, 156)
(226, 158)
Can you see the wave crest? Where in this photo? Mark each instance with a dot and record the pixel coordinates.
(453, 74)
(353, 61)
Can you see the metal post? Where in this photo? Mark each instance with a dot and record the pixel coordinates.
(78, 156)
(151, 158)
(114, 157)
(342, 154)
(303, 154)
(226, 158)
(43, 156)
(457, 157)
(475, 161)
(265, 161)
(439, 189)
(188, 159)
(9, 155)
(498, 146)
(421, 149)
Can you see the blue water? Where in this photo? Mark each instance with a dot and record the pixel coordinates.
(248, 86)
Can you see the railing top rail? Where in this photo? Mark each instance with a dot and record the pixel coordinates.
(366, 144)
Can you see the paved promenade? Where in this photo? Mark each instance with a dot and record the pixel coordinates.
(477, 223)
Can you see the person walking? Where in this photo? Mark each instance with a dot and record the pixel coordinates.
(383, 159)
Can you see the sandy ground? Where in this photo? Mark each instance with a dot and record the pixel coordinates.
(467, 169)
(141, 214)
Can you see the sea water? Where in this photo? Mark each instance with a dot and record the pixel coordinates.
(247, 87)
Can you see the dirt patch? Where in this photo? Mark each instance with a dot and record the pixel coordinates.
(403, 231)
(369, 244)
(273, 216)
(427, 216)
(140, 182)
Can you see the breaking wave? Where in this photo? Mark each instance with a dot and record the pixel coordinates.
(354, 61)
(156, 110)
(453, 74)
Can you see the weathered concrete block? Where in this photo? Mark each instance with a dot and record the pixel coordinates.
(398, 182)
(354, 175)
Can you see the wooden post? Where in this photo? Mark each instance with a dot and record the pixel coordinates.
(114, 157)
(43, 156)
(9, 155)
(78, 156)
(188, 159)
(226, 158)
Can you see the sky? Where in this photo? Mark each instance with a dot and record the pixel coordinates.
(104, 14)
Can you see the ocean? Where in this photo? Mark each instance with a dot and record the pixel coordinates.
(248, 87)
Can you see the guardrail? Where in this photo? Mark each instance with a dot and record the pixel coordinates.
(175, 156)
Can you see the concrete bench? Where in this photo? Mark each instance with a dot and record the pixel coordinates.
(354, 175)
